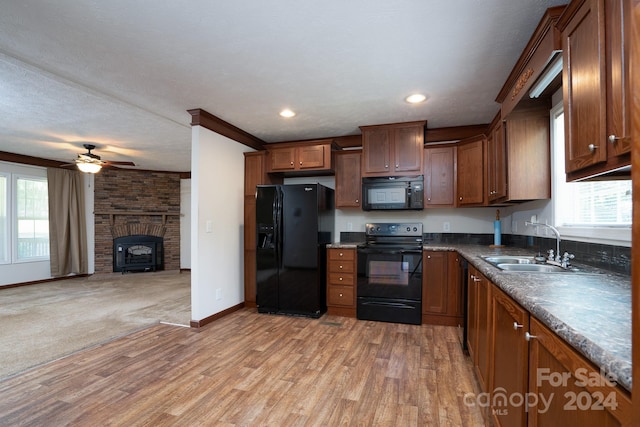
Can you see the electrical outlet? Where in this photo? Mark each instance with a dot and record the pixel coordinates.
(446, 226)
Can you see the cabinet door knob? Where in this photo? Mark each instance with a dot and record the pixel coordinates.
(386, 166)
(460, 197)
(341, 267)
(340, 279)
(291, 163)
(516, 326)
(477, 279)
(428, 256)
(612, 138)
(528, 336)
(340, 294)
(357, 201)
(397, 166)
(592, 147)
(300, 163)
(428, 200)
(340, 253)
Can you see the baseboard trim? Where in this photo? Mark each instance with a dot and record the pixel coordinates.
(36, 282)
(202, 322)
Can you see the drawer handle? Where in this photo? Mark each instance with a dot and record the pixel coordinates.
(340, 253)
(516, 326)
(528, 336)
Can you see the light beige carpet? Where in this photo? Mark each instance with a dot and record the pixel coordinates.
(44, 322)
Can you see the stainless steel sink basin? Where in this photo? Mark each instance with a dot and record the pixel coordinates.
(521, 263)
(531, 268)
(508, 259)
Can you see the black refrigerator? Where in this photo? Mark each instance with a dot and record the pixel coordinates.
(294, 223)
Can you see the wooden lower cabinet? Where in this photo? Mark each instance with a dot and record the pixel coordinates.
(341, 281)
(509, 360)
(478, 332)
(442, 298)
(575, 392)
(537, 379)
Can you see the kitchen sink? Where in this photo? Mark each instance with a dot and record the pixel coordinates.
(532, 268)
(521, 263)
(508, 259)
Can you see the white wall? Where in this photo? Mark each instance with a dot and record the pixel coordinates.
(185, 223)
(217, 189)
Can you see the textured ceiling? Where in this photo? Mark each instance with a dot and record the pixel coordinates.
(121, 74)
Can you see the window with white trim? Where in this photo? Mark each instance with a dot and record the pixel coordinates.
(31, 218)
(24, 214)
(591, 211)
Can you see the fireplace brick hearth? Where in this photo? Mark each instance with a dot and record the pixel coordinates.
(136, 203)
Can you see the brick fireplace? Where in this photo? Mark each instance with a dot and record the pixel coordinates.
(131, 203)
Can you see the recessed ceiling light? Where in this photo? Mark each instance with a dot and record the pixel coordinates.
(287, 113)
(416, 98)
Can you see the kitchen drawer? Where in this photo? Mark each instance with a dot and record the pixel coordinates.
(341, 267)
(342, 254)
(347, 279)
(340, 295)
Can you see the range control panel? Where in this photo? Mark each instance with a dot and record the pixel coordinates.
(394, 229)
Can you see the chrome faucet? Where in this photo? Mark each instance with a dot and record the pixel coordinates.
(562, 261)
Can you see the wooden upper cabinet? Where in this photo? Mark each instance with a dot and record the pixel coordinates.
(470, 174)
(297, 157)
(282, 159)
(254, 171)
(348, 178)
(439, 176)
(527, 140)
(393, 150)
(584, 87)
(496, 161)
(596, 87)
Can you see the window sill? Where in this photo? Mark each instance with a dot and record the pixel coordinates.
(617, 236)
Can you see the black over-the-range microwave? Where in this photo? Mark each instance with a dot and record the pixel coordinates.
(393, 193)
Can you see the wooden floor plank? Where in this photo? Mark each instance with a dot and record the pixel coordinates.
(249, 369)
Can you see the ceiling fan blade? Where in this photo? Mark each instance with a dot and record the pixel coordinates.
(108, 163)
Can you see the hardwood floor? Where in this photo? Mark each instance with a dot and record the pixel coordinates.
(250, 369)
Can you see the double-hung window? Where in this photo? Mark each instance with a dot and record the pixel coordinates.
(24, 214)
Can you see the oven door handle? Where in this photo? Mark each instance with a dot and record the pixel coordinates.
(389, 304)
(389, 251)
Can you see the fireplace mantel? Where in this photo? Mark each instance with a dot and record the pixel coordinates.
(113, 214)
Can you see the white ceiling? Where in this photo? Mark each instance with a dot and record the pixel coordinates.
(121, 74)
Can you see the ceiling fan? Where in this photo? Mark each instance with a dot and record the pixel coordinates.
(91, 163)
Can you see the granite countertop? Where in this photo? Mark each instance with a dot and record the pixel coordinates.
(589, 309)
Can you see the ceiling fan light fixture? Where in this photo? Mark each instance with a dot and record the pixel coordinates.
(89, 167)
(287, 113)
(416, 98)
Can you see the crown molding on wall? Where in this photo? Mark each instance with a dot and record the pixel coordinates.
(200, 117)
